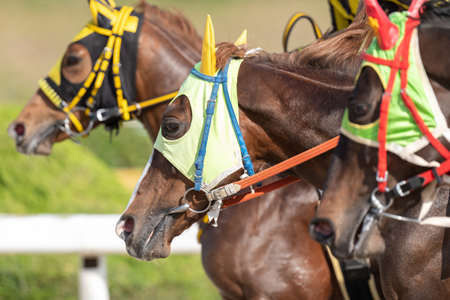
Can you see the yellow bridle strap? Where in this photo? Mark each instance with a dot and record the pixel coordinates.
(121, 102)
(102, 63)
(291, 23)
(99, 30)
(58, 102)
(123, 21)
(75, 121)
(151, 102)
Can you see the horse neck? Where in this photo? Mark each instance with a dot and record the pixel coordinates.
(292, 113)
(163, 63)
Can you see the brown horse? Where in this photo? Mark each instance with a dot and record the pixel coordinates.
(302, 270)
(414, 259)
(280, 99)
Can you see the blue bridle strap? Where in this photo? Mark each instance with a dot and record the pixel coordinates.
(199, 163)
(245, 156)
(219, 78)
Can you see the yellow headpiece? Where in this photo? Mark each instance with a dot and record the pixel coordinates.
(208, 66)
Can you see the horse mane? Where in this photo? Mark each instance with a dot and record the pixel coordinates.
(338, 51)
(171, 20)
(435, 11)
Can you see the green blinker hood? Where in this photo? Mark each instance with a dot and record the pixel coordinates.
(223, 155)
(404, 137)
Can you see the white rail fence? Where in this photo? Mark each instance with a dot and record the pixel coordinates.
(91, 236)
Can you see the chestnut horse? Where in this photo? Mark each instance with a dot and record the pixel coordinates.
(280, 97)
(169, 45)
(414, 259)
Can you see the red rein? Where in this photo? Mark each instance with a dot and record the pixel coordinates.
(277, 169)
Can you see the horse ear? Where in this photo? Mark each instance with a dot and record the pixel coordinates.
(208, 65)
(414, 8)
(242, 39)
(385, 31)
(102, 12)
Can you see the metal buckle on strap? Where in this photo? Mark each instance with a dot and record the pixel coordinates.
(399, 190)
(223, 192)
(104, 114)
(91, 105)
(138, 108)
(380, 179)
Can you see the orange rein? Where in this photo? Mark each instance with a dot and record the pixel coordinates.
(277, 169)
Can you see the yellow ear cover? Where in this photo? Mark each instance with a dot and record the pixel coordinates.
(242, 39)
(98, 7)
(208, 66)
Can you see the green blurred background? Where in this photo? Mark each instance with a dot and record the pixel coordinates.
(99, 176)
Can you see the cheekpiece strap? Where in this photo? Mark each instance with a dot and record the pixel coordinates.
(248, 166)
(199, 163)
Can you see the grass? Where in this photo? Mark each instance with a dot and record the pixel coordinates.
(71, 180)
(131, 148)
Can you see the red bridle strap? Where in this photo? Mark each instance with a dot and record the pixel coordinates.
(239, 198)
(275, 170)
(289, 163)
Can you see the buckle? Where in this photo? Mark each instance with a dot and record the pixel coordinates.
(379, 179)
(102, 114)
(138, 108)
(90, 105)
(398, 189)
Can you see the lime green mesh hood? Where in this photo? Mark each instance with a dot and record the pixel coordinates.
(403, 135)
(223, 156)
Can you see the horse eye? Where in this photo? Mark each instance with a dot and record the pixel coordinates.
(72, 60)
(171, 127)
(360, 109)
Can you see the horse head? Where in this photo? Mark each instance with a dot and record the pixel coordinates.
(170, 196)
(379, 129)
(112, 64)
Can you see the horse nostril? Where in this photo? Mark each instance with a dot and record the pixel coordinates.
(124, 228)
(128, 226)
(322, 230)
(19, 129)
